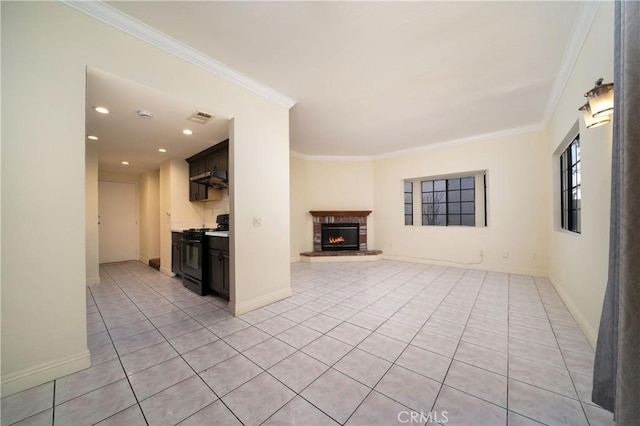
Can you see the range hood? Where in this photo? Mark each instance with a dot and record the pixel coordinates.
(215, 179)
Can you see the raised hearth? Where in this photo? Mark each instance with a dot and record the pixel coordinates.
(341, 256)
(344, 253)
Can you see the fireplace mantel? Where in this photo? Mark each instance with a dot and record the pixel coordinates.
(321, 213)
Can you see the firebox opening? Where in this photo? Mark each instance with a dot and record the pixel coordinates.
(340, 236)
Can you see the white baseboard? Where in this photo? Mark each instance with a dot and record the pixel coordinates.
(167, 271)
(589, 332)
(258, 302)
(43, 373)
(535, 272)
(93, 280)
(144, 260)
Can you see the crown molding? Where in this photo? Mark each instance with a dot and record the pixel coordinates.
(307, 157)
(464, 141)
(422, 148)
(123, 22)
(581, 27)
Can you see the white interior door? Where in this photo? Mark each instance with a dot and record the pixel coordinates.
(117, 209)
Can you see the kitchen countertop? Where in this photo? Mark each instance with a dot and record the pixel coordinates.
(217, 234)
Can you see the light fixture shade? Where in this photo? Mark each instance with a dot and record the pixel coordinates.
(600, 99)
(590, 120)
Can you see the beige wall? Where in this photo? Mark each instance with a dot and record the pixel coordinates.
(43, 209)
(301, 228)
(165, 217)
(514, 239)
(578, 263)
(46, 49)
(211, 209)
(184, 214)
(176, 212)
(149, 215)
(92, 250)
(517, 179)
(259, 189)
(328, 185)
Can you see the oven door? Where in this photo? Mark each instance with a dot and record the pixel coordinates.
(192, 259)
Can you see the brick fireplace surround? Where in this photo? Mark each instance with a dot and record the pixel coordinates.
(340, 216)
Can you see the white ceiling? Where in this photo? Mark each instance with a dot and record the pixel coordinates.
(124, 136)
(371, 78)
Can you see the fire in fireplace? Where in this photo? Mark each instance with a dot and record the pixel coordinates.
(340, 236)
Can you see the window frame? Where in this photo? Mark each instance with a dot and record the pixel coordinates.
(454, 195)
(570, 184)
(480, 178)
(409, 185)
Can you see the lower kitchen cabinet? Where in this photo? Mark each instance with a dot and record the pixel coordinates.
(218, 264)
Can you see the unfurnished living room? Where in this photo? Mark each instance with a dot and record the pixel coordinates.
(320, 213)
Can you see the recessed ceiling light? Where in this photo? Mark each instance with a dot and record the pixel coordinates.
(126, 163)
(187, 132)
(101, 110)
(93, 138)
(162, 150)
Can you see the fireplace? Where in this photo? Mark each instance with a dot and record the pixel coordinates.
(340, 218)
(340, 236)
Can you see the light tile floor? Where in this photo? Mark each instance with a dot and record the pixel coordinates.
(371, 343)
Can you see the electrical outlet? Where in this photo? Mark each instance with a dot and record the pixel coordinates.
(257, 221)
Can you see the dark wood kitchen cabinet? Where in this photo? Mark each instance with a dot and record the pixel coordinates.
(176, 253)
(218, 159)
(215, 158)
(218, 264)
(197, 192)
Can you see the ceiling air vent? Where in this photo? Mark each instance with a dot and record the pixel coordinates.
(145, 114)
(200, 117)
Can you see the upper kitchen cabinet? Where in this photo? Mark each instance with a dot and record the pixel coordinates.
(208, 173)
(218, 160)
(197, 192)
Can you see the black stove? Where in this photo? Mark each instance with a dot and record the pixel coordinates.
(194, 259)
(223, 222)
(194, 265)
(196, 233)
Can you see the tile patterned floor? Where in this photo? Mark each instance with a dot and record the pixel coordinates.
(373, 343)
